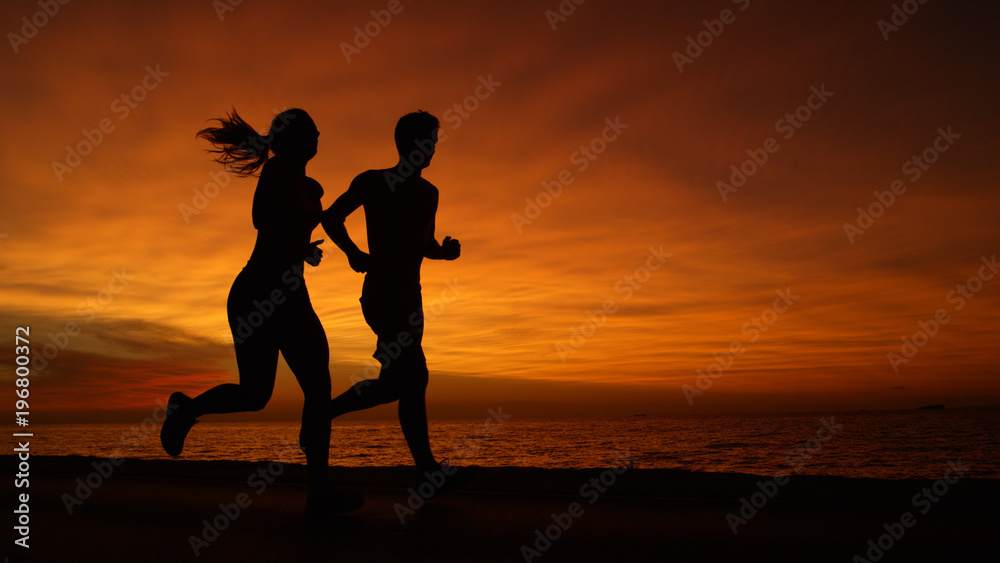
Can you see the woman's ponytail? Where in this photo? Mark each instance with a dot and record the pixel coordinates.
(238, 145)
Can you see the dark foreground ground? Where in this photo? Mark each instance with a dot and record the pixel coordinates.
(159, 510)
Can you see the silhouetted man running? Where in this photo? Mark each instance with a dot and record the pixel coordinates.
(399, 210)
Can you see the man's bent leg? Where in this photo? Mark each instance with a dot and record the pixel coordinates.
(363, 395)
(413, 409)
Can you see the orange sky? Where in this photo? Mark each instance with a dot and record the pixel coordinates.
(522, 286)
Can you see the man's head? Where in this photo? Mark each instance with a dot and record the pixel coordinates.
(416, 138)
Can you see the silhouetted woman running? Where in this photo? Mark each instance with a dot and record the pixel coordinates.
(269, 309)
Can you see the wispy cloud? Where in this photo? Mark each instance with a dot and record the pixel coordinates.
(525, 291)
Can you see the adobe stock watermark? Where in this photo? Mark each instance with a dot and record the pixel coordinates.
(104, 469)
(625, 287)
(365, 33)
(258, 481)
(460, 111)
(787, 127)
(88, 311)
(387, 353)
(292, 279)
(222, 7)
(958, 298)
(122, 107)
(751, 329)
(471, 444)
(923, 501)
(900, 15)
(696, 44)
(582, 158)
(434, 480)
(31, 25)
(220, 179)
(563, 11)
(752, 504)
(454, 116)
(913, 168)
(591, 491)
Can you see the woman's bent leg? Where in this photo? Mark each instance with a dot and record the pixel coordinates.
(256, 338)
(256, 358)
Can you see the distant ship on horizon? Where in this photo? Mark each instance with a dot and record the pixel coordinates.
(929, 407)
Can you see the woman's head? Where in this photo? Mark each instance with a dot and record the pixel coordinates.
(293, 135)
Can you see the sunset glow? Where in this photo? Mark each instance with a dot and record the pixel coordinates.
(625, 225)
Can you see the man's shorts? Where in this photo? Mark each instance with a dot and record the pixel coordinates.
(398, 321)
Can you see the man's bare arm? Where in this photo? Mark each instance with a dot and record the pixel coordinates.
(449, 249)
(433, 249)
(333, 223)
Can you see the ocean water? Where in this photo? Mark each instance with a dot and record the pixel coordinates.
(890, 444)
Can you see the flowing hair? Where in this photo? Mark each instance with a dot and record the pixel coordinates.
(239, 146)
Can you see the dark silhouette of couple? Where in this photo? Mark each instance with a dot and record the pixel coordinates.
(269, 296)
